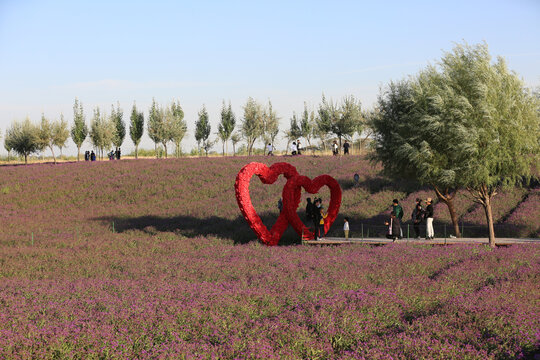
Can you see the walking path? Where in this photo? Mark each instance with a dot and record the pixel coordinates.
(441, 241)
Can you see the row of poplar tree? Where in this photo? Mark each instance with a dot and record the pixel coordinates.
(166, 126)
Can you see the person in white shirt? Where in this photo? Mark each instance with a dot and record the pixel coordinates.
(346, 227)
(294, 149)
(269, 149)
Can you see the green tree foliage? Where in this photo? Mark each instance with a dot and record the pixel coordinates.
(307, 124)
(294, 131)
(177, 125)
(468, 124)
(7, 146)
(202, 131)
(23, 138)
(226, 125)
(341, 120)
(252, 125)
(119, 126)
(52, 134)
(101, 131)
(270, 123)
(60, 133)
(79, 130)
(136, 128)
(235, 139)
(155, 124)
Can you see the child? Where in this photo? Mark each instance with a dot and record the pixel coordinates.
(346, 227)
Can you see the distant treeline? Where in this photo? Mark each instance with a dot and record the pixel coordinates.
(166, 126)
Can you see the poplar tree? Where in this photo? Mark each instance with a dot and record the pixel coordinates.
(79, 130)
(60, 133)
(294, 131)
(252, 125)
(118, 124)
(306, 125)
(226, 126)
(178, 126)
(136, 128)
(270, 124)
(155, 124)
(202, 130)
(101, 131)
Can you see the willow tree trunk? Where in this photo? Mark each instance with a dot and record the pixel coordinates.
(483, 195)
(448, 198)
(489, 219)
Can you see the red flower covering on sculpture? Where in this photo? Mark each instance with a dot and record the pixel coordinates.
(268, 175)
(291, 200)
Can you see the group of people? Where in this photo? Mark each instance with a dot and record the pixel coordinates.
(335, 148)
(315, 213)
(113, 154)
(418, 215)
(89, 156)
(296, 148)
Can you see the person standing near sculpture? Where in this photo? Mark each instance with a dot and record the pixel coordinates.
(428, 215)
(346, 227)
(310, 209)
(316, 213)
(322, 216)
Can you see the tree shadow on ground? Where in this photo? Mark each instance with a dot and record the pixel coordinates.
(236, 229)
(374, 184)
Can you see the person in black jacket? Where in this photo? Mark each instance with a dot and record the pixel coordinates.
(394, 227)
(416, 218)
(428, 215)
(309, 209)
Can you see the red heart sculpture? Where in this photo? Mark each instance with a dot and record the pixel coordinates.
(268, 175)
(291, 200)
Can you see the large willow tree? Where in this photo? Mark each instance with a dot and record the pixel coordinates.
(467, 123)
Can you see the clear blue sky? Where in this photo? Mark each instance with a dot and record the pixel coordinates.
(203, 52)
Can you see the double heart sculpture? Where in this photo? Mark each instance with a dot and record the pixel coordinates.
(291, 199)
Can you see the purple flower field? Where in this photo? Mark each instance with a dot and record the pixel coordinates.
(150, 259)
